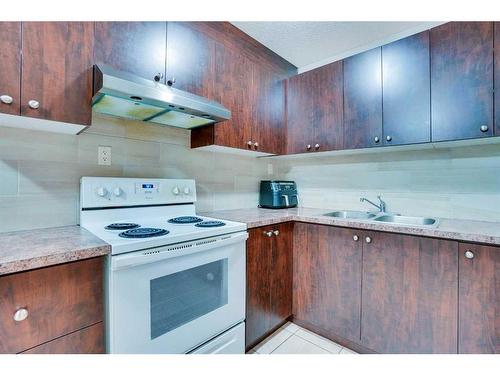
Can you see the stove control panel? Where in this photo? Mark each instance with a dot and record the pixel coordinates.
(98, 192)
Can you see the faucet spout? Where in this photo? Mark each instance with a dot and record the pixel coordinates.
(381, 207)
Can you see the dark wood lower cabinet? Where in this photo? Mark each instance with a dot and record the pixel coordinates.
(327, 278)
(479, 299)
(89, 340)
(269, 280)
(409, 294)
(59, 300)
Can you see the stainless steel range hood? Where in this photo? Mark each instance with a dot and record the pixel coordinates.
(124, 95)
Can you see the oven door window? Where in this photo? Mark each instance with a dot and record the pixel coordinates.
(184, 296)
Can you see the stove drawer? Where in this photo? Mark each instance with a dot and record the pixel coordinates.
(44, 304)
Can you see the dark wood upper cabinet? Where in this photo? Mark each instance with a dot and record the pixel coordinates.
(300, 115)
(406, 90)
(363, 100)
(327, 279)
(462, 80)
(10, 61)
(191, 58)
(133, 47)
(479, 299)
(57, 71)
(497, 77)
(315, 110)
(269, 280)
(409, 294)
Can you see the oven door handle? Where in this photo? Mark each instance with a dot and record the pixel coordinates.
(157, 254)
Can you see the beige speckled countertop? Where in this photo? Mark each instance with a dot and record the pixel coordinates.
(462, 230)
(26, 250)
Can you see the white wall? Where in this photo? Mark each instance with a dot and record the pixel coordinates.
(40, 172)
(459, 182)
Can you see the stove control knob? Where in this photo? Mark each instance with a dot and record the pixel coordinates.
(102, 192)
(117, 192)
(176, 191)
(187, 190)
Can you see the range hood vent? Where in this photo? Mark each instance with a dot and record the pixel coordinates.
(125, 95)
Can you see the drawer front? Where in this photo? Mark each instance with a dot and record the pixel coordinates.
(89, 340)
(59, 300)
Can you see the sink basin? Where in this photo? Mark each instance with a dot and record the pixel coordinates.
(351, 214)
(407, 220)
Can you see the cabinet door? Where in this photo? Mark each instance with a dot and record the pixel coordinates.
(57, 71)
(479, 299)
(258, 300)
(89, 340)
(10, 61)
(134, 47)
(328, 112)
(300, 113)
(462, 80)
(235, 90)
(281, 274)
(406, 90)
(363, 100)
(327, 278)
(497, 77)
(409, 294)
(191, 59)
(268, 127)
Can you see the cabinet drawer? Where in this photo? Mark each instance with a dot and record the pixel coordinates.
(89, 340)
(59, 300)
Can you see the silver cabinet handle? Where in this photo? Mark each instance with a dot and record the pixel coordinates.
(368, 239)
(376, 139)
(316, 146)
(249, 143)
(389, 138)
(256, 145)
(308, 147)
(469, 254)
(484, 128)
(158, 77)
(171, 81)
(21, 314)
(269, 234)
(355, 237)
(6, 99)
(276, 232)
(34, 104)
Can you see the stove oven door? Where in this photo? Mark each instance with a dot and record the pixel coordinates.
(174, 298)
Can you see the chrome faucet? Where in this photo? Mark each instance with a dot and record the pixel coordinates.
(382, 206)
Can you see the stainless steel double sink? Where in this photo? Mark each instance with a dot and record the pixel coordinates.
(385, 218)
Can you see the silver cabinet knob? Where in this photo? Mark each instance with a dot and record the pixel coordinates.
(256, 145)
(269, 234)
(368, 239)
(316, 146)
(469, 254)
(158, 77)
(484, 128)
(376, 139)
(249, 143)
(389, 138)
(355, 237)
(171, 81)
(6, 99)
(308, 147)
(276, 232)
(34, 104)
(21, 314)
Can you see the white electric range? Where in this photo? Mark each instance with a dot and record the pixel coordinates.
(175, 281)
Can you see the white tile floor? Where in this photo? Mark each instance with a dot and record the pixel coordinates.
(292, 339)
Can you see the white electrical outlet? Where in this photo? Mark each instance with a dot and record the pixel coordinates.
(104, 155)
(270, 169)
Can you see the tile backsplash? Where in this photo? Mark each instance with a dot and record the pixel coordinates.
(452, 182)
(40, 172)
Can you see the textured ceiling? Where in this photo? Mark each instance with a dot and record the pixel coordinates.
(308, 45)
